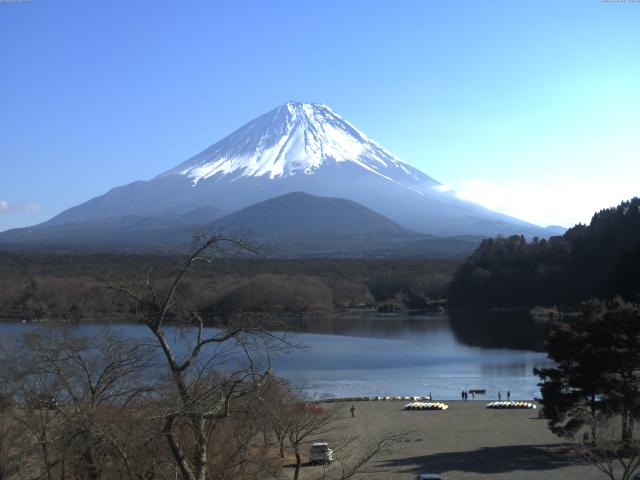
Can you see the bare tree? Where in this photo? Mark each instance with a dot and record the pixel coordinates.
(208, 370)
(278, 403)
(344, 452)
(290, 419)
(31, 390)
(75, 395)
(239, 450)
(304, 424)
(616, 458)
(10, 432)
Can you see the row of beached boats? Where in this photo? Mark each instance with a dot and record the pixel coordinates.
(426, 403)
(379, 399)
(510, 404)
(426, 406)
(444, 406)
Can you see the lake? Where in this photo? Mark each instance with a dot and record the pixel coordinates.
(396, 354)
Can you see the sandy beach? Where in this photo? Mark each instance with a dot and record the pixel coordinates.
(465, 442)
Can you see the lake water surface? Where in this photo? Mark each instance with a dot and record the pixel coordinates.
(375, 354)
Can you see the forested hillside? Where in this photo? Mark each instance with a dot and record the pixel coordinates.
(73, 287)
(601, 259)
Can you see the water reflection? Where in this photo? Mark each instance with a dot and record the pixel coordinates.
(498, 329)
(373, 325)
(416, 354)
(514, 329)
(392, 354)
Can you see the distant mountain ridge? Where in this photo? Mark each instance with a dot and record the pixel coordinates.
(299, 224)
(291, 225)
(298, 214)
(116, 231)
(297, 147)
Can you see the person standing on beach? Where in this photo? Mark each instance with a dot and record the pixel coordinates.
(353, 411)
(508, 395)
(499, 396)
(462, 394)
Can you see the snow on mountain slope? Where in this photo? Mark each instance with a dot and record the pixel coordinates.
(298, 139)
(299, 147)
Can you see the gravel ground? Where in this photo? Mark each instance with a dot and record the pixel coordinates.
(465, 442)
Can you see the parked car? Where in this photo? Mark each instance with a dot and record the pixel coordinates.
(320, 452)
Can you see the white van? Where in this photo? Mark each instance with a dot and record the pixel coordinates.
(320, 453)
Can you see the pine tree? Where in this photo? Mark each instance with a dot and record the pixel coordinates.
(597, 370)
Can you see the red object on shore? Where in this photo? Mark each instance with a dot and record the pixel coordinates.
(312, 408)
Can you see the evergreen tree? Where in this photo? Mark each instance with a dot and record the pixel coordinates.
(597, 370)
(625, 277)
(601, 259)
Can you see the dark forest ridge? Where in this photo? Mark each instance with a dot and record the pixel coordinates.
(71, 286)
(601, 259)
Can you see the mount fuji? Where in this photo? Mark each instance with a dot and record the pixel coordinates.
(297, 147)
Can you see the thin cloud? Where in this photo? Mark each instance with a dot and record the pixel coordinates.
(31, 207)
(6, 207)
(548, 201)
(442, 188)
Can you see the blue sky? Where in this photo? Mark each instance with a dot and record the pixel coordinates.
(531, 108)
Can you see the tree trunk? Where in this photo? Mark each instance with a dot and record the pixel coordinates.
(627, 426)
(281, 439)
(594, 427)
(199, 425)
(296, 473)
(45, 454)
(91, 468)
(180, 459)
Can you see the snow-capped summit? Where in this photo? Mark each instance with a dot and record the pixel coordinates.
(297, 139)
